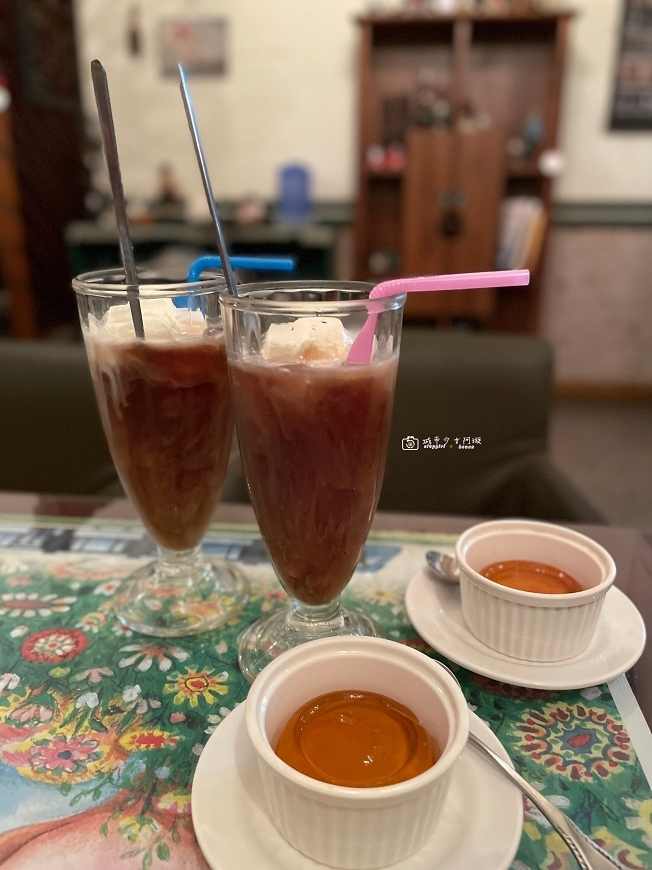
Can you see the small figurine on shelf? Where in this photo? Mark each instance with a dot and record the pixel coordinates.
(502, 7)
(169, 205)
(134, 33)
(446, 7)
(376, 157)
(439, 7)
(516, 147)
(524, 147)
(433, 108)
(386, 158)
(384, 262)
(395, 157)
(533, 133)
(390, 155)
(474, 121)
(250, 210)
(551, 162)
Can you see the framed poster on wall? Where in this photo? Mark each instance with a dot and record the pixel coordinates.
(200, 45)
(632, 106)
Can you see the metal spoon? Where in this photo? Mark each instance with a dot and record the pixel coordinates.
(445, 568)
(589, 855)
(110, 147)
(208, 188)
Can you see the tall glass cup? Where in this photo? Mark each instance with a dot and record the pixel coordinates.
(166, 408)
(313, 434)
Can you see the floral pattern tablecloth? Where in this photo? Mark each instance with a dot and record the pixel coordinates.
(101, 728)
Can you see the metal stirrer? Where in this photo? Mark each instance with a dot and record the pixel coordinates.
(110, 147)
(221, 244)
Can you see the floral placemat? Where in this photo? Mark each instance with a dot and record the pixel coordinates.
(100, 728)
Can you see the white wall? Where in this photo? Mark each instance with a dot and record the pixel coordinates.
(291, 95)
(597, 306)
(602, 165)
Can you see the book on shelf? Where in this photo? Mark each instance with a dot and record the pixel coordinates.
(522, 226)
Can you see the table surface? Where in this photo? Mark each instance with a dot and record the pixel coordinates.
(631, 550)
(101, 731)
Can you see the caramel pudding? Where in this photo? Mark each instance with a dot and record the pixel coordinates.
(531, 577)
(356, 739)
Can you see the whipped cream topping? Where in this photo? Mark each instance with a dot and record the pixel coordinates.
(308, 340)
(162, 320)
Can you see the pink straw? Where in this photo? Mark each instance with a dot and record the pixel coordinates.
(362, 347)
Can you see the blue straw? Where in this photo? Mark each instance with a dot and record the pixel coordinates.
(260, 264)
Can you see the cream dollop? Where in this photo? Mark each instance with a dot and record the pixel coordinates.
(308, 340)
(162, 321)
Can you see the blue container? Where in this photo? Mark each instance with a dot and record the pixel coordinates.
(294, 195)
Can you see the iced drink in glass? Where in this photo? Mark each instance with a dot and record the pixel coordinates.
(313, 433)
(167, 415)
(166, 408)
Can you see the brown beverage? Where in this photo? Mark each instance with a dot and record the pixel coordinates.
(167, 414)
(314, 440)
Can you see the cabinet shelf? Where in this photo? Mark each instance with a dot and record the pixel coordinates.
(382, 19)
(515, 169)
(523, 169)
(440, 213)
(384, 173)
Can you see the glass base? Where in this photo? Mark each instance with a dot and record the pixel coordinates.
(194, 595)
(270, 636)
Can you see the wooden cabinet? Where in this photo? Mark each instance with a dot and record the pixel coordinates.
(14, 264)
(451, 193)
(42, 175)
(438, 209)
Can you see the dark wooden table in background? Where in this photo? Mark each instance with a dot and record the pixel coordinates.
(631, 550)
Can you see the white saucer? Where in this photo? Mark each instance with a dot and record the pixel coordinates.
(480, 826)
(435, 612)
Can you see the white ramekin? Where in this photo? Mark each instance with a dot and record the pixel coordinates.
(355, 828)
(528, 625)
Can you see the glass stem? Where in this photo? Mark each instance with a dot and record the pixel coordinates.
(315, 613)
(178, 568)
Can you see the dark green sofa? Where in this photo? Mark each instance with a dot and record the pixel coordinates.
(493, 387)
